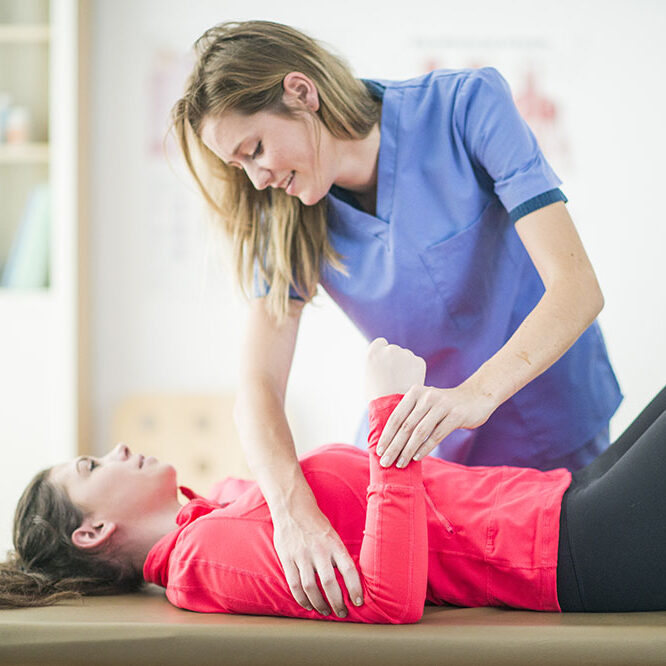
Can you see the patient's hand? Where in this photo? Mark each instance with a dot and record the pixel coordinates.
(391, 369)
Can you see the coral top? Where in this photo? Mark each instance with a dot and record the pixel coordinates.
(435, 531)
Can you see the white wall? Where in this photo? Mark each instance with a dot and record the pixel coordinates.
(164, 314)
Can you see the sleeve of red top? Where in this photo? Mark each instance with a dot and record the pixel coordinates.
(394, 553)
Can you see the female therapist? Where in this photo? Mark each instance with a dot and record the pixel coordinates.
(427, 211)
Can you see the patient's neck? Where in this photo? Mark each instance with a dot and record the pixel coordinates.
(141, 536)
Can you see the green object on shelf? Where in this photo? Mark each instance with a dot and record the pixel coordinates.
(27, 264)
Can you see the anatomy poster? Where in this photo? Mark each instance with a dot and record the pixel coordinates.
(526, 63)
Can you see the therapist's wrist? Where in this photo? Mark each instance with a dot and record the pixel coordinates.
(292, 500)
(487, 394)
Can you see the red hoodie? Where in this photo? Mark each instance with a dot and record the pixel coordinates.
(435, 531)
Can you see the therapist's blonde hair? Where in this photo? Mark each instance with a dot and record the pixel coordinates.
(240, 67)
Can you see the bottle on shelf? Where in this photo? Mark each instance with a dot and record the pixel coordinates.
(17, 127)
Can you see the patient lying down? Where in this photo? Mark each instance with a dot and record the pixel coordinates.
(433, 532)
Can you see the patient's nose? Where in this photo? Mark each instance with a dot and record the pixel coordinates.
(121, 451)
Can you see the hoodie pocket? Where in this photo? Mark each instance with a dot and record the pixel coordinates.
(444, 521)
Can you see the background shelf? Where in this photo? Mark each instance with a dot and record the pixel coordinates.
(25, 33)
(41, 64)
(26, 153)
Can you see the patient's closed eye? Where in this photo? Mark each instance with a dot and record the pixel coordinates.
(91, 464)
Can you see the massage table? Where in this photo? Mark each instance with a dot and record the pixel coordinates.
(144, 628)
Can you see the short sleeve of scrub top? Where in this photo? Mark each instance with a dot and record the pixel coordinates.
(499, 140)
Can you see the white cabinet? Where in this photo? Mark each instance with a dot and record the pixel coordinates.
(41, 349)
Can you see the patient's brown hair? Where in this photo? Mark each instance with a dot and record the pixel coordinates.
(46, 567)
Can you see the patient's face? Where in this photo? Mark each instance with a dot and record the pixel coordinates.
(119, 486)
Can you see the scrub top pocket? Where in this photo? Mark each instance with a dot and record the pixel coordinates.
(466, 269)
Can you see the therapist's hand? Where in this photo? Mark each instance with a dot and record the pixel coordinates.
(425, 416)
(309, 547)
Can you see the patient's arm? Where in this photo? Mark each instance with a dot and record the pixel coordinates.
(394, 553)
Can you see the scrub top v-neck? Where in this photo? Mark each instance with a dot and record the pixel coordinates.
(440, 269)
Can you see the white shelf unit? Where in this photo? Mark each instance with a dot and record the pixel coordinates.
(40, 329)
(34, 152)
(24, 34)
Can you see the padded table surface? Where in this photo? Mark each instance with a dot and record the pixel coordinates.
(145, 628)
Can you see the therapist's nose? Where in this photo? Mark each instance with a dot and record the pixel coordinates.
(260, 177)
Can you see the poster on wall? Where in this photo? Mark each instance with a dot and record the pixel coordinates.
(182, 253)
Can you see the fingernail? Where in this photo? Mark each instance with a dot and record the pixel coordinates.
(358, 601)
(384, 462)
(342, 613)
(308, 608)
(326, 612)
(380, 451)
(401, 462)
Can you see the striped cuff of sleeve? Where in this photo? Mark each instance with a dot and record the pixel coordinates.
(537, 202)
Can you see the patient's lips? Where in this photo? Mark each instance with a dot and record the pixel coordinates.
(145, 460)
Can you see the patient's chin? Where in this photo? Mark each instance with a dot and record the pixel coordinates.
(161, 482)
(167, 471)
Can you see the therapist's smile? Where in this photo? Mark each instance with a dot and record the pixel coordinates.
(287, 182)
(289, 189)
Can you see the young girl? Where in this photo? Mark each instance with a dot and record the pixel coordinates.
(435, 531)
(427, 211)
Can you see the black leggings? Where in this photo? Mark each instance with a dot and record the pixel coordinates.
(612, 551)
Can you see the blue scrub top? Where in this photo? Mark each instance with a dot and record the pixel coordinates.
(441, 270)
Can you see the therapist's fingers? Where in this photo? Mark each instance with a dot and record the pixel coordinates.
(422, 433)
(345, 565)
(331, 588)
(293, 576)
(312, 591)
(443, 429)
(404, 431)
(397, 418)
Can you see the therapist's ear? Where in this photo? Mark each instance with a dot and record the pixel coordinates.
(300, 91)
(92, 534)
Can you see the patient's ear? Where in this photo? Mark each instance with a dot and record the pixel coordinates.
(92, 533)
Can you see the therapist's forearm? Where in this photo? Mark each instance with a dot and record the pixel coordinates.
(269, 447)
(566, 309)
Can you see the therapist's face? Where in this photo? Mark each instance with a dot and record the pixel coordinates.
(277, 151)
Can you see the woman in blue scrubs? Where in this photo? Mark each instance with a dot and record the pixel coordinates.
(456, 243)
